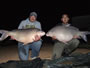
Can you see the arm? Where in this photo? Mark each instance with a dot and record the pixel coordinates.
(38, 25)
(53, 38)
(21, 25)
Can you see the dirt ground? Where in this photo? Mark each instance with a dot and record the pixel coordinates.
(10, 52)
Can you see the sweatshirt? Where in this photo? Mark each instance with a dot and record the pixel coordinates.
(28, 24)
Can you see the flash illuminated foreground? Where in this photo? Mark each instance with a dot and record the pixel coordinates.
(73, 61)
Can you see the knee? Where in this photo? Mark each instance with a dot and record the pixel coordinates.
(59, 44)
(20, 45)
(38, 43)
(76, 41)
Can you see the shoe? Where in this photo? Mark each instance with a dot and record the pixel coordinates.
(33, 58)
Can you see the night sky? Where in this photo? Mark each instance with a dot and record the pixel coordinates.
(12, 13)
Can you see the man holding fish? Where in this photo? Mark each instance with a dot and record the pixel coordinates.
(60, 48)
(30, 22)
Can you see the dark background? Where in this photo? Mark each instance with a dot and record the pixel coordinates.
(49, 13)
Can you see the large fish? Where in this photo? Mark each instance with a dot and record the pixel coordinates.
(65, 34)
(22, 35)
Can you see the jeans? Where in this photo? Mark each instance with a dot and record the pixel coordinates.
(24, 50)
(60, 48)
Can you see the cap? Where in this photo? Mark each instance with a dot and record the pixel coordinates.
(33, 14)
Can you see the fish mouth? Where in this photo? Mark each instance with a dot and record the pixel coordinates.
(47, 34)
(43, 33)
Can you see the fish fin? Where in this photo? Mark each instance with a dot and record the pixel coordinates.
(83, 35)
(87, 32)
(4, 35)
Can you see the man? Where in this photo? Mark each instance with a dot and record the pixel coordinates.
(30, 22)
(61, 49)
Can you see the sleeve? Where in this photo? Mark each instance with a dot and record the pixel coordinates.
(21, 25)
(39, 26)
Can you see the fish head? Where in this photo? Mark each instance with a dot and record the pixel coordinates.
(40, 33)
(49, 34)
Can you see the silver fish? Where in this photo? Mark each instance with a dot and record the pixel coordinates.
(22, 35)
(65, 34)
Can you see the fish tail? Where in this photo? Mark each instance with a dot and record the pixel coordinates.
(4, 34)
(83, 35)
(87, 32)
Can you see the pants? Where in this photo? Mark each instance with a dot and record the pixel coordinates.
(24, 50)
(61, 48)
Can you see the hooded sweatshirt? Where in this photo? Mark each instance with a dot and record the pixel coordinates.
(28, 24)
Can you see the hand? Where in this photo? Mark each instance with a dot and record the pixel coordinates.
(75, 36)
(53, 38)
(37, 38)
(13, 38)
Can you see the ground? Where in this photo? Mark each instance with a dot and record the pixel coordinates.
(10, 52)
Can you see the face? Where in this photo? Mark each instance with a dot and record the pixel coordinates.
(32, 18)
(65, 19)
